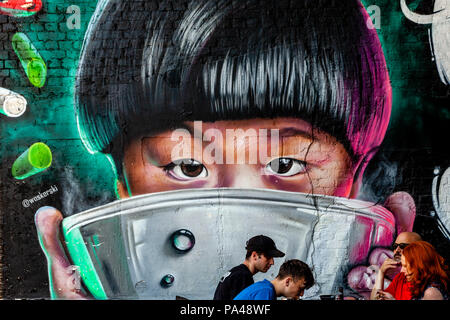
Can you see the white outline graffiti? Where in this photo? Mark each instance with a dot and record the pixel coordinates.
(440, 34)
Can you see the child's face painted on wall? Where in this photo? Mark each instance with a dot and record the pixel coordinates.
(283, 154)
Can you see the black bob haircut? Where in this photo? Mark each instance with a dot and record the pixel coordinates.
(148, 66)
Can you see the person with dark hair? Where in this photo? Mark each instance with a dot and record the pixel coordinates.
(427, 272)
(292, 280)
(311, 70)
(259, 258)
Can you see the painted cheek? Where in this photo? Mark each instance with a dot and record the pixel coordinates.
(144, 182)
(164, 182)
(300, 183)
(344, 188)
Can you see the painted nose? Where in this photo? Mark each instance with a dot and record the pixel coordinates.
(242, 176)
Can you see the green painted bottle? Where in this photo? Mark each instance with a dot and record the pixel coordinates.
(35, 159)
(32, 62)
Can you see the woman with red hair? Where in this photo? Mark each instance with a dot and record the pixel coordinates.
(426, 271)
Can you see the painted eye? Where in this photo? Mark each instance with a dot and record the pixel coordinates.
(286, 167)
(186, 169)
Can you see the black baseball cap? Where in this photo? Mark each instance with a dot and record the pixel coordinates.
(265, 245)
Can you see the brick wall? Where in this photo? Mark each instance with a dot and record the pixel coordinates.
(416, 142)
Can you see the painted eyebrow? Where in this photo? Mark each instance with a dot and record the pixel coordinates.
(285, 132)
(190, 129)
(293, 132)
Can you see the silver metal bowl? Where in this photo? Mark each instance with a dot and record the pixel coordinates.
(130, 249)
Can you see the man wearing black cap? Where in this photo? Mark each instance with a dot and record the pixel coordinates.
(259, 258)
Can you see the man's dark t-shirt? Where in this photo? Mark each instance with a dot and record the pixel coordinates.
(236, 280)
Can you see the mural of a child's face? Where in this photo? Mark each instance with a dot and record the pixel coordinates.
(307, 160)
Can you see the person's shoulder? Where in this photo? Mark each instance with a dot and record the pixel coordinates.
(399, 277)
(240, 270)
(433, 293)
(265, 285)
(247, 293)
(238, 278)
(265, 290)
(261, 290)
(260, 285)
(231, 272)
